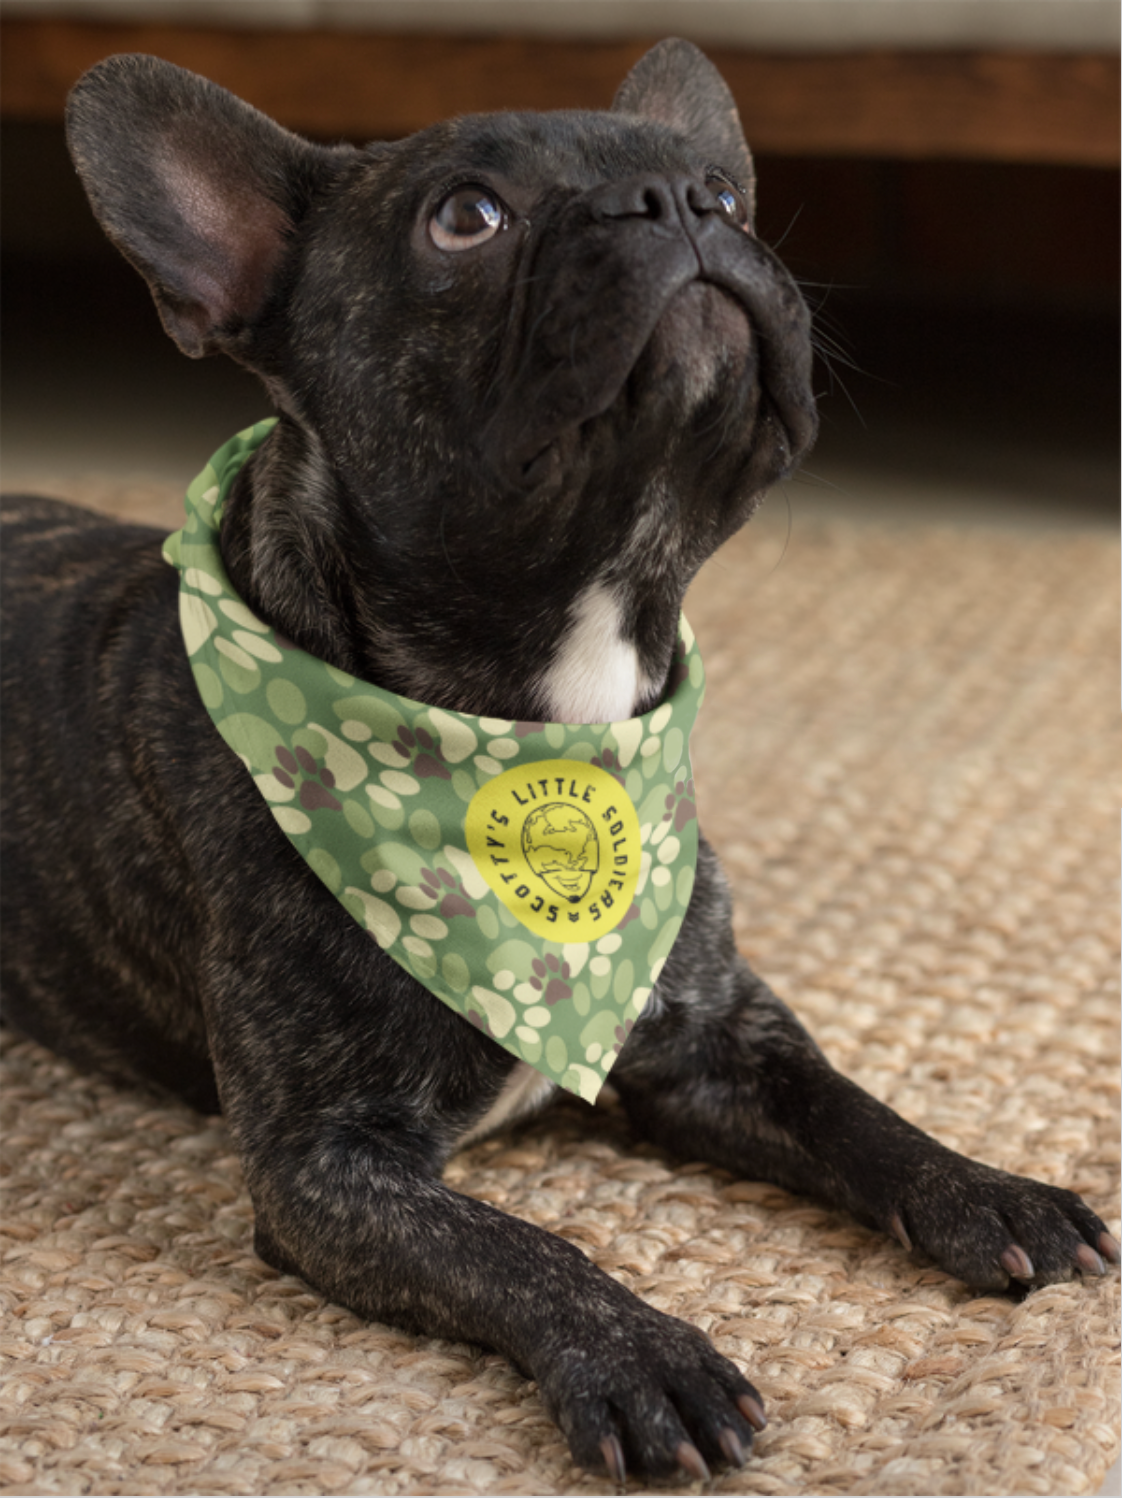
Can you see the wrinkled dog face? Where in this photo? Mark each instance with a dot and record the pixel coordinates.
(533, 369)
(583, 310)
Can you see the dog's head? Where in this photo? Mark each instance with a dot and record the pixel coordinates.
(532, 369)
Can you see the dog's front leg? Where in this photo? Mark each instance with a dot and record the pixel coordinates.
(719, 1069)
(630, 1387)
(344, 1100)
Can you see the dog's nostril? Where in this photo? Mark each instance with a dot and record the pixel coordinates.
(654, 205)
(637, 198)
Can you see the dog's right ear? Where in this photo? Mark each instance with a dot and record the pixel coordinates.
(197, 189)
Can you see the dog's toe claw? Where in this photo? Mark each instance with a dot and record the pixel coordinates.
(730, 1445)
(612, 1452)
(1017, 1263)
(1087, 1260)
(899, 1231)
(1109, 1248)
(751, 1407)
(691, 1460)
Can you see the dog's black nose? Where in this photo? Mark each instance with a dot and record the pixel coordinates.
(680, 200)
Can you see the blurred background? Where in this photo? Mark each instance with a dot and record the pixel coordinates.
(941, 176)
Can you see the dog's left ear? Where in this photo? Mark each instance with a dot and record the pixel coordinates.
(676, 84)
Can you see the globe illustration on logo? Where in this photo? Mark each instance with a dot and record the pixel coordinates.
(559, 843)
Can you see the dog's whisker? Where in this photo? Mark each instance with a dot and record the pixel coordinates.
(778, 244)
(787, 535)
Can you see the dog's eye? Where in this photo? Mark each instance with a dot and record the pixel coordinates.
(731, 201)
(468, 216)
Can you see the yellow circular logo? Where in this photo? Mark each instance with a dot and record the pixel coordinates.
(558, 842)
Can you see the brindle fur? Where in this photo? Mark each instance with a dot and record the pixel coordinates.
(467, 443)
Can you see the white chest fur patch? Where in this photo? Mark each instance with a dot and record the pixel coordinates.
(595, 675)
(525, 1091)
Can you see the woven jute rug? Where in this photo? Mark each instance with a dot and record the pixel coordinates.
(908, 759)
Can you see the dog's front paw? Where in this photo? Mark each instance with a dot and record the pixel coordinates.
(996, 1230)
(649, 1394)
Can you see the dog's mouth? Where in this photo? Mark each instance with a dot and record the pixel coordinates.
(702, 339)
(715, 321)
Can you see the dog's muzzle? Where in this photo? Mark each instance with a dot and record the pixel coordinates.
(601, 280)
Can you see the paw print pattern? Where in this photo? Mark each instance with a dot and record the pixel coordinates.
(621, 1034)
(429, 762)
(373, 789)
(608, 760)
(549, 979)
(680, 805)
(449, 890)
(316, 781)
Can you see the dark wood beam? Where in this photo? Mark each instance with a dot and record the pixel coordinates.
(1003, 106)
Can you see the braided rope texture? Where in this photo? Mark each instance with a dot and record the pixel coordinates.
(907, 762)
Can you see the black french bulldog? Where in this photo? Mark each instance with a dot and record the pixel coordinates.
(531, 371)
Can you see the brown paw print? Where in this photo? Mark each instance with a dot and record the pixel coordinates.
(549, 979)
(446, 887)
(680, 805)
(622, 1032)
(430, 761)
(609, 760)
(316, 781)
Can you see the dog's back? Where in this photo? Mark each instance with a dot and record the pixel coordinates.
(74, 788)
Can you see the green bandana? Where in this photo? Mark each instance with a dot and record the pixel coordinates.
(533, 876)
